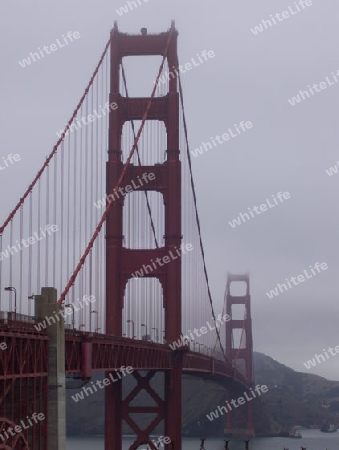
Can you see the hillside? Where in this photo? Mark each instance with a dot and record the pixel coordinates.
(293, 398)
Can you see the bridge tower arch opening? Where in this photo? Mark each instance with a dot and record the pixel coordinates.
(144, 316)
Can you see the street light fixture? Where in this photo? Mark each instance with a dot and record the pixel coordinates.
(12, 289)
(145, 325)
(133, 329)
(156, 334)
(69, 305)
(97, 313)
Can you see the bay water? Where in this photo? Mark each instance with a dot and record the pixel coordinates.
(311, 439)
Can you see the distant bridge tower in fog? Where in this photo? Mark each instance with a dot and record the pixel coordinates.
(239, 349)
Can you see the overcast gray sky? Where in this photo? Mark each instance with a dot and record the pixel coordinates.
(251, 78)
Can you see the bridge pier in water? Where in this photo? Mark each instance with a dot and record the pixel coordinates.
(46, 307)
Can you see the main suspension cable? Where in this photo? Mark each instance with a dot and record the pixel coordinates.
(196, 210)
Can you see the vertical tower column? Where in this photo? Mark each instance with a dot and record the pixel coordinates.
(46, 307)
(240, 421)
(121, 262)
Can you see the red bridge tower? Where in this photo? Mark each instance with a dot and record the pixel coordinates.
(122, 262)
(239, 421)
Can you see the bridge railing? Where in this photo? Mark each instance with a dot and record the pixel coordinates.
(16, 320)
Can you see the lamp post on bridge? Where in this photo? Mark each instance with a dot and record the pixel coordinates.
(133, 328)
(145, 325)
(12, 289)
(69, 305)
(193, 344)
(97, 313)
(156, 334)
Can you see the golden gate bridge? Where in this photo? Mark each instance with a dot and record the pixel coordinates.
(103, 265)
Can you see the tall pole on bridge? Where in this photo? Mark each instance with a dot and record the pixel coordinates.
(121, 262)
